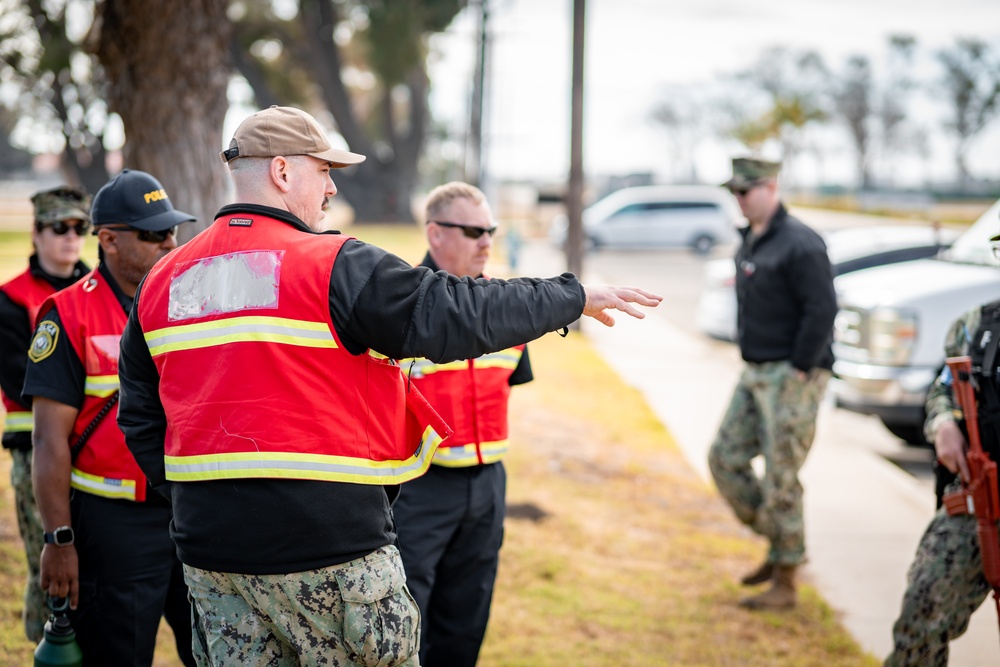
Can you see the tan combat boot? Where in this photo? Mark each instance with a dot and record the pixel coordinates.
(762, 574)
(781, 595)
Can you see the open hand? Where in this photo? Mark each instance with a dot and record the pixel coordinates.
(603, 298)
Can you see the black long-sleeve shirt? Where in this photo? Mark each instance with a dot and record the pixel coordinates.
(784, 290)
(15, 337)
(377, 301)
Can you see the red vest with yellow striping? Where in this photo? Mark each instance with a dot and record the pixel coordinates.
(29, 292)
(93, 321)
(253, 378)
(471, 395)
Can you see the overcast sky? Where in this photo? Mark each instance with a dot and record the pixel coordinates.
(638, 51)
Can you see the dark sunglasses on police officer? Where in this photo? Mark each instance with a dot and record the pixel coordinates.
(470, 231)
(147, 236)
(62, 228)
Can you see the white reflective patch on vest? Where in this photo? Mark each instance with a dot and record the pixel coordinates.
(225, 284)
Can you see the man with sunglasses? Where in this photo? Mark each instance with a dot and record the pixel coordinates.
(260, 394)
(450, 520)
(61, 219)
(786, 306)
(107, 541)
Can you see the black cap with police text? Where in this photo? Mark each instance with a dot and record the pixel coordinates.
(136, 199)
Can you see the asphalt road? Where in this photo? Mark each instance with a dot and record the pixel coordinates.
(678, 275)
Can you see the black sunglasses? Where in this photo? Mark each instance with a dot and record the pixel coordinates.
(147, 236)
(470, 231)
(742, 192)
(61, 228)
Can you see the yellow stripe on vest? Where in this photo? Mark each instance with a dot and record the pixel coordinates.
(320, 467)
(465, 455)
(504, 359)
(17, 422)
(240, 330)
(100, 385)
(102, 486)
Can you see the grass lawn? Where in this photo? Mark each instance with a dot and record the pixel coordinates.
(616, 553)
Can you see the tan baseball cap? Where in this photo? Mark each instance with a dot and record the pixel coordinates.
(285, 131)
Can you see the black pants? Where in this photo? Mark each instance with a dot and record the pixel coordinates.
(129, 577)
(450, 528)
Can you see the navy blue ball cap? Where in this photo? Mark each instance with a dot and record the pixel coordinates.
(136, 199)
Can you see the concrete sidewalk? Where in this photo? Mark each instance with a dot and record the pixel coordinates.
(864, 516)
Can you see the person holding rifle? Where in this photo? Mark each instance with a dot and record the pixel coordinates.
(957, 562)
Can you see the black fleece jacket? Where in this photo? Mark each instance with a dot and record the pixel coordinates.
(376, 300)
(784, 288)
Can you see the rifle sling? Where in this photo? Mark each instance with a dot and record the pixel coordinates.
(74, 451)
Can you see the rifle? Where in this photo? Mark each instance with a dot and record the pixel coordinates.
(979, 496)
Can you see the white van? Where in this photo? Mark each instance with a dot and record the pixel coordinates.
(890, 329)
(693, 216)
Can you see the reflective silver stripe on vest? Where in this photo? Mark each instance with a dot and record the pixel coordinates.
(101, 385)
(17, 422)
(302, 466)
(240, 329)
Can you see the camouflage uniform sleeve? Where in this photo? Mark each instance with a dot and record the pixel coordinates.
(941, 405)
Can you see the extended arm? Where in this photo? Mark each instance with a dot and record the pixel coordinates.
(405, 312)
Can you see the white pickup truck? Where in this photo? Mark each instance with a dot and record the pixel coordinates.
(890, 329)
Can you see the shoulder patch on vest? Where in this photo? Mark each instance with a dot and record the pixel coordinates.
(44, 342)
(240, 222)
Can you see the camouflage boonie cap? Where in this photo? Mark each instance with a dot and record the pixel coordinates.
(747, 171)
(66, 202)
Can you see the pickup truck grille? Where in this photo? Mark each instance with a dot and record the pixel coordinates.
(885, 336)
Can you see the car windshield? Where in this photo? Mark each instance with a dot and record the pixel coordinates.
(973, 246)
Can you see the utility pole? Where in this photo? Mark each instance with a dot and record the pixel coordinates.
(474, 153)
(574, 197)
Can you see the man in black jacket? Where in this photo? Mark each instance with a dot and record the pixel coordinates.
(288, 561)
(784, 290)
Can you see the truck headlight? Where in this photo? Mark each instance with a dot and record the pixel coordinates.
(892, 335)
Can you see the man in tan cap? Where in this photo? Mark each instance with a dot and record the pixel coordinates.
(786, 307)
(62, 220)
(259, 392)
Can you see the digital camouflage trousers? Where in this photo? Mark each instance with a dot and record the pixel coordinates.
(29, 522)
(772, 414)
(944, 585)
(356, 614)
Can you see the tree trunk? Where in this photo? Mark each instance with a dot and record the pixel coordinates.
(168, 65)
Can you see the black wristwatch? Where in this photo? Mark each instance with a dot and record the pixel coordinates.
(61, 536)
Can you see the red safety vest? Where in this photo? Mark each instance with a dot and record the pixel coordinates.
(93, 322)
(253, 378)
(29, 292)
(471, 396)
